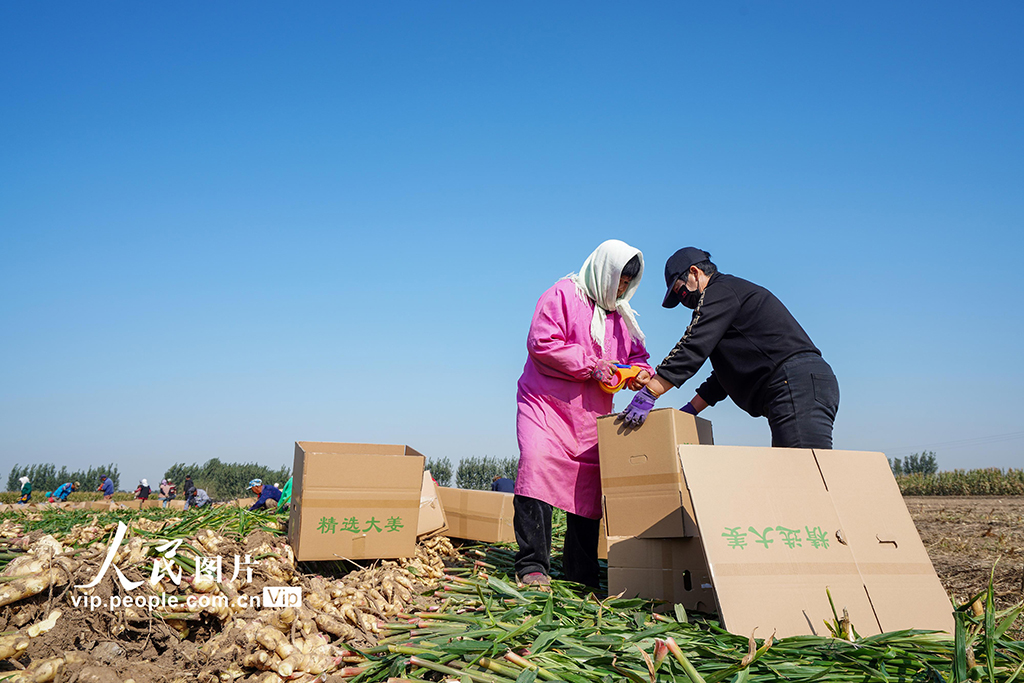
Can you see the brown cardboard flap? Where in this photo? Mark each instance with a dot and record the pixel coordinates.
(770, 534)
(432, 518)
(893, 562)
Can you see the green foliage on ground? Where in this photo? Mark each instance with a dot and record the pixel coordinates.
(46, 477)
(478, 472)
(440, 470)
(915, 463)
(222, 480)
(985, 482)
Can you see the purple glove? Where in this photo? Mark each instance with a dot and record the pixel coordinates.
(604, 371)
(688, 408)
(637, 410)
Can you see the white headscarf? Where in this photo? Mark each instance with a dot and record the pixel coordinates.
(144, 482)
(598, 280)
(24, 480)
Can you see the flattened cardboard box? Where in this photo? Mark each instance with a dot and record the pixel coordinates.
(355, 501)
(643, 490)
(669, 569)
(432, 519)
(779, 525)
(478, 515)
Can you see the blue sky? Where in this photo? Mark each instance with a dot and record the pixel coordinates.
(227, 227)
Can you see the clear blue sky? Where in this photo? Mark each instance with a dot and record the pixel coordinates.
(225, 227)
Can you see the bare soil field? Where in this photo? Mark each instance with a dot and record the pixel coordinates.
(965, 536)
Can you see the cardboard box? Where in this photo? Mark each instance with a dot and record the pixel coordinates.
(152, 503)
(602, 544)
(479, 515)
(354, 501)
(176, 504)
(432, 518)
(669, 569)
(778, 526)
(643, 490)
(101, 505)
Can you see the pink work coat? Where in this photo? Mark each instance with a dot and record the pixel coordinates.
(559, 403)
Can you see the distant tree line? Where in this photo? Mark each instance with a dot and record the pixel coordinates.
(222, 480)
(46, 477)
(915, 463)
(441, 470)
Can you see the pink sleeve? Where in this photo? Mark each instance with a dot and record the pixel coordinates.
(638, 355)
(548, 343)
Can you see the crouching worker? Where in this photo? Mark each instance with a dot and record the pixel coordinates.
(581, 327)
(65, 490)
(268, 495)
(197, 499)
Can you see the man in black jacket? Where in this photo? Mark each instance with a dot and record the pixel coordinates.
(760, 356)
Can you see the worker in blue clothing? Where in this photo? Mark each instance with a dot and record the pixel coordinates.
(265, 493)
(197, 498)
(503, 484)
(65, 490)
(106, 487)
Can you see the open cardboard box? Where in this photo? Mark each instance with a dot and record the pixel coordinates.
(776, 527)
(478, 515)
(354, 501)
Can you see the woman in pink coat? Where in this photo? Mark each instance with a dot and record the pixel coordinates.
(582, 326)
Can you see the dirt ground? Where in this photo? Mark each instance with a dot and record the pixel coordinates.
(965, 536)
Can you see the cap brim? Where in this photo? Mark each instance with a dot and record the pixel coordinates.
(671, 299)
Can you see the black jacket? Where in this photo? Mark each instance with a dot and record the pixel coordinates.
(746, 332)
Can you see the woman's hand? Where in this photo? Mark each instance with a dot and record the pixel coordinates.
(604, 371)
(640, 381)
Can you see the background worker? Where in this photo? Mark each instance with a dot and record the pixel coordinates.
(267, 495)
(502, 484)
(581, 327)
(188, 487)
(65, 490)
(106, 487)
(142, 491)
(760, 356)
(167, 491)
(197, 498)
(26, 491)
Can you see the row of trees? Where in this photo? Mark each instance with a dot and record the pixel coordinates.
(476, 472)
(223, 480)
(46, 477)
(915, 463)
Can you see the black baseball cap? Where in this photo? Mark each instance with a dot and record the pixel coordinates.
(677, 264)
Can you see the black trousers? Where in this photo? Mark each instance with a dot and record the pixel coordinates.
(532, 525)
(801, 403)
